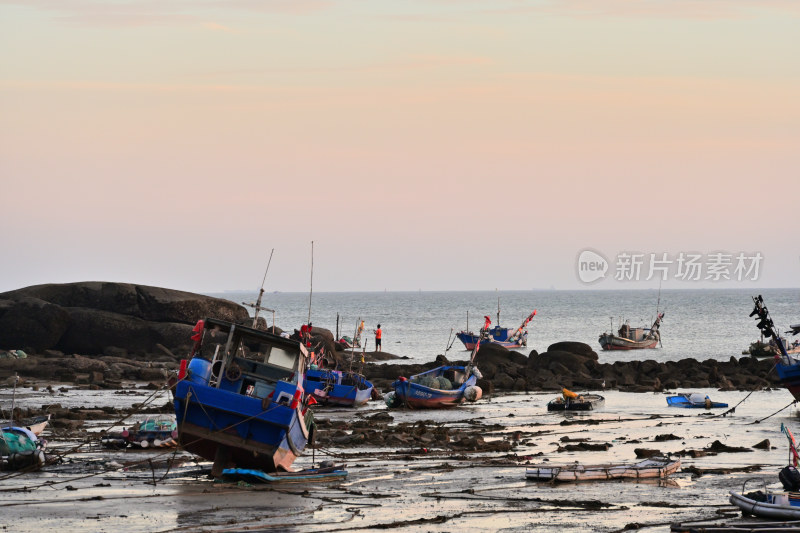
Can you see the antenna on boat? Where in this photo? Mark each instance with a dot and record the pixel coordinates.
(658, 303)
(311, 288)
(257, 305)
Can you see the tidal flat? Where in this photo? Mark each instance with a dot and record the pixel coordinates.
(427, 470)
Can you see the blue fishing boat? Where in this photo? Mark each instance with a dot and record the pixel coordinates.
(240, 401)
(693, 400)
(336, 387)
(506, 337)
(444, 386)
(787, 364)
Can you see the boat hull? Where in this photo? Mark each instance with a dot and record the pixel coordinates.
(235, 430)
(648, 469)
(613, 342)
(785, 511)
(789, 376)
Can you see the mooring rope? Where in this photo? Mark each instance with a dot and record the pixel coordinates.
(775, 413)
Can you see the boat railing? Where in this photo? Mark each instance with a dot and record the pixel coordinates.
(762, 480)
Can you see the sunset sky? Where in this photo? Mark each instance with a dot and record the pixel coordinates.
(434, 145)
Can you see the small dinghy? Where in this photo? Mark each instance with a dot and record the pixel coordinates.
(708, 526)
(693, 400)
(570, 401)
(768, 504)
(654, 467)
(776, 504)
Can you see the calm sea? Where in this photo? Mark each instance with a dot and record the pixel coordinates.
(701, 324)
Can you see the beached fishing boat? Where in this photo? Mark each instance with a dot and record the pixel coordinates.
(36, 424)
(336, 387)
(20, 448)
(240, 401)
(506, 337)
(693, 400)
(571, 401)
(628, 338)
(149, 433)
(444, 386)
(654, 467)
(787, 364)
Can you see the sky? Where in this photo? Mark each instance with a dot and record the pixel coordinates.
(421, 145)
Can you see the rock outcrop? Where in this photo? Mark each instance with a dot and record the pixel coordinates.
(93, 318)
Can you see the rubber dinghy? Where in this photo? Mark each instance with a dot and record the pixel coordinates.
(654, 467)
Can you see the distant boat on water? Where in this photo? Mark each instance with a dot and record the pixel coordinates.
(506, 337)
(628, 338)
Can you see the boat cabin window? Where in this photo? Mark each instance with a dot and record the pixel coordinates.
(282, 358)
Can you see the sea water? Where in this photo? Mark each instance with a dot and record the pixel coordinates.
(700, 324)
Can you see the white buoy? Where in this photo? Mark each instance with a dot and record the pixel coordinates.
(473, 393)
(156, 443)
(144, 443)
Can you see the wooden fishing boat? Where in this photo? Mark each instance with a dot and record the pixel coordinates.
(693, 400)
(628, 338)
(36, 424)
(336, 387)
(654, 467)
(506, 337)
(570, 401)
(240, 401)
(444, 386)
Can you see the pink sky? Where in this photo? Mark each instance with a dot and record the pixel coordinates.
(436, 145)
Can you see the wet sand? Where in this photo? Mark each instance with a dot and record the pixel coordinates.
(415, 488)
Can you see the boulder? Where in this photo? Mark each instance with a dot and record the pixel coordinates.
(31, 322)
(578, 348)
(100, 317)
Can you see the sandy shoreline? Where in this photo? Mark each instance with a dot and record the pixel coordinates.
(416, 488)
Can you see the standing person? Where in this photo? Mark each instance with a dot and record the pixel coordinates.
(378, 335)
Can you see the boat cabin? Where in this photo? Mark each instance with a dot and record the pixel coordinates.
(243, 360)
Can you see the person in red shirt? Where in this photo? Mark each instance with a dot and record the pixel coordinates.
(305, 333)
(378, 335)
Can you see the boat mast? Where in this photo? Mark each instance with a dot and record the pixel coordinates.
(498, 310)
(257, 305)
(311, 288)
